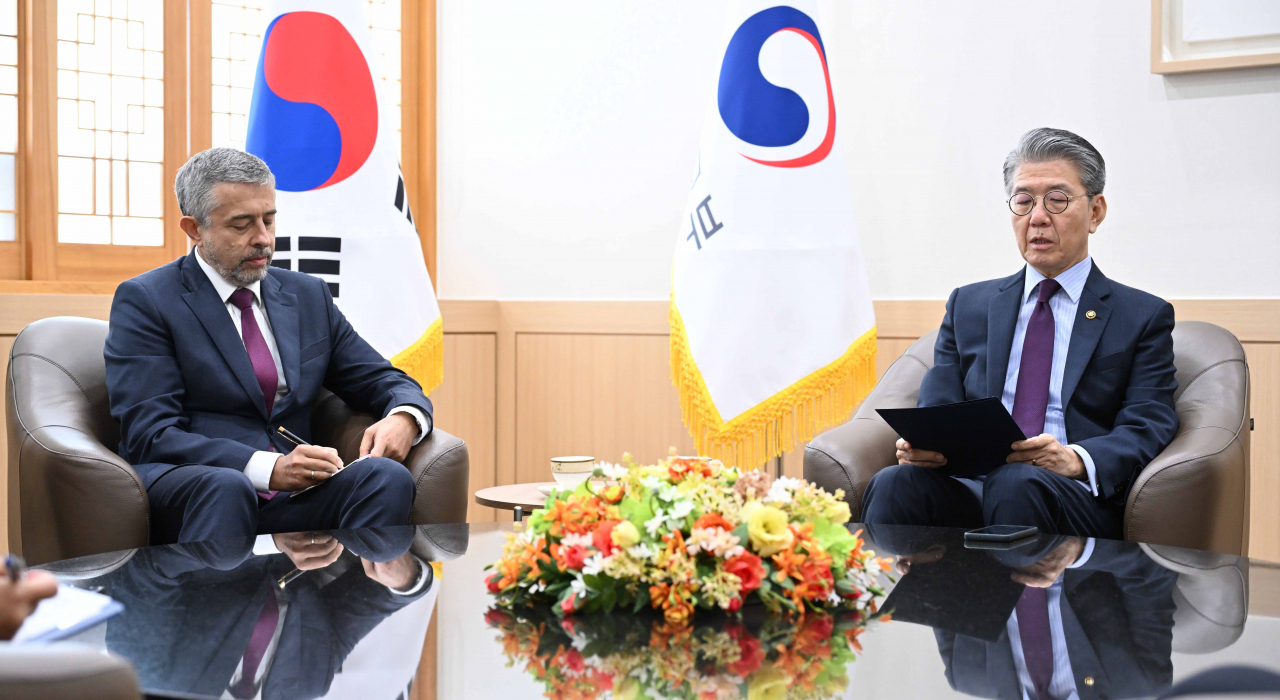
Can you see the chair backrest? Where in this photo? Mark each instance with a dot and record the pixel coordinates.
(57, 376)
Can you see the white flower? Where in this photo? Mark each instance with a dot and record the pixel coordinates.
(833, 597)
(651, 482)
(656, 522)
(668, 492)
(682, 508)
(733, 551)
(612, 471)
(780, 490)
(641, 551)
(577, 585)
(593, 564)
(572, 540)
(712, 540)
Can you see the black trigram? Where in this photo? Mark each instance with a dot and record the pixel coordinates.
(402, 202)
(312, 266)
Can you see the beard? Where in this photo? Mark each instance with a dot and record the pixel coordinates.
(233, 269)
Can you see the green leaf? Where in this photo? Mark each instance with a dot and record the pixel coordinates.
(638, 512)
(744, 537)
(642, 599)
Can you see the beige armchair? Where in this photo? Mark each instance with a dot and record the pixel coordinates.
(1194, 494)
(71, 495)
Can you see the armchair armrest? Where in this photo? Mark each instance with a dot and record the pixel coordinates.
(440, 464)
(1192, 494)
(74, 497)
(70, 671)
(848, 456)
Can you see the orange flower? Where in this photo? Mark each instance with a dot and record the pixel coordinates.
(711, 520)
(613, 494)
(678, 469)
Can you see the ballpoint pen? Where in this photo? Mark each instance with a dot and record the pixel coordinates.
(15, 567)
(288, 435)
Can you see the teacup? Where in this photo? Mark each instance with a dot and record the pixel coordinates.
(571, 471)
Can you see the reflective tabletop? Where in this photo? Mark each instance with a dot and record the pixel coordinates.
(349, 614)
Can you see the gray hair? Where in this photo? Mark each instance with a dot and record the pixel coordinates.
(195, 181)
(1044, 144)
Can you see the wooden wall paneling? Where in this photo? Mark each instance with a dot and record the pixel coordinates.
(38, 129)
(465, 405)
(199, 136)
(599, 395)
(418, 120)
(426, 680)
(1264, 450)
(176, 127)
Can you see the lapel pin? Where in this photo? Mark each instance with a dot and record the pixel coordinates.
(1091, 314)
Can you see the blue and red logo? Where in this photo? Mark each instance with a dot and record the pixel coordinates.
(759, 112)
(314, 114)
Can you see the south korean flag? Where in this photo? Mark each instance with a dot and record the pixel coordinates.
(317, 120)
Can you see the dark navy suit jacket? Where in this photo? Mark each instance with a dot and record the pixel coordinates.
(1117, 619)
(1118, 385)
(190, 610)
(181, 384)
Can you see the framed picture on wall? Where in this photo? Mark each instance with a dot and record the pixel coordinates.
(1200, 35)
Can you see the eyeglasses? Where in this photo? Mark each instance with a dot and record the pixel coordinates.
(1055, 202)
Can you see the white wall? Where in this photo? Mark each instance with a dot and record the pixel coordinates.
(568, 131)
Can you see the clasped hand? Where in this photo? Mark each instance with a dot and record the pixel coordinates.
(1042, 451)
(316, 550)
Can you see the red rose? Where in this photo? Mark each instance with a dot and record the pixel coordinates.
(602, 537)
(746, 566)
(574, 557)
(735, 604)
(492, 582)
(573, 659)
(749, 658)
(567, 605)
(495, 617)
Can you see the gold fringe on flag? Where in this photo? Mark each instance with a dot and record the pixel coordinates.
(424, 360)
(792, 416)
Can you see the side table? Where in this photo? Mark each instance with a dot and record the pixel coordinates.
(521, 498)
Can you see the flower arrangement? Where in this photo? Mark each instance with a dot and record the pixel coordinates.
(717, 658)
(688, 534)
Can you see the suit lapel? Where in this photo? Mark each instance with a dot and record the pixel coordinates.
(212, 314)
(1086, 332)
(282, 310)
(1002, 319)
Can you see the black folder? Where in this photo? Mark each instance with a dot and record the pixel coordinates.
(974, 436)
(966, 592)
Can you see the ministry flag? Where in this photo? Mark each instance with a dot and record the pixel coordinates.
(773, 334)
(317, 120)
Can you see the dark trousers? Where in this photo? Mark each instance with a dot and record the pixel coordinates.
(1014, 494)
(195, 503)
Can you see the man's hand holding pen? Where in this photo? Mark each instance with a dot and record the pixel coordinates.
(306, 466)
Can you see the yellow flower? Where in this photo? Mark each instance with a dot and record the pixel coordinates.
(629, 689)
(837, 684)
(837, 512)
(625, 533)
(769, 683)
(748, 509)
(767, 527)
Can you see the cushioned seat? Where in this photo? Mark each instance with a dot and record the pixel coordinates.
(1193, 494)
(71, 495)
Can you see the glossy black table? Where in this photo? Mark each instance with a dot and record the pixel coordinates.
(1134, 618)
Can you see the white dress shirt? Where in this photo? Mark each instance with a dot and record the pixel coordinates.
(1062, 685)
(262, 464)
(1063, 304)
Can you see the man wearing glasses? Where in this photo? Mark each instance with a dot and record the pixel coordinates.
(1082, 363)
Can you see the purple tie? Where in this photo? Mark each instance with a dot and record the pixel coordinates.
(263, 630)
(1037, 645)
(264, 368)
(1031, 400)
